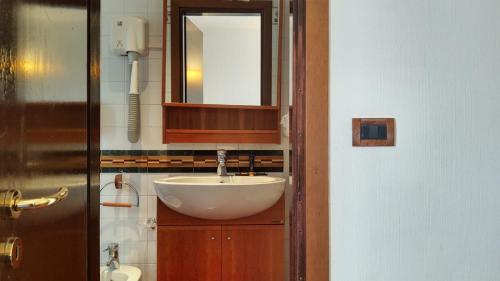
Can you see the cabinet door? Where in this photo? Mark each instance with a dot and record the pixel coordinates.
(189, 253)
(253, 253)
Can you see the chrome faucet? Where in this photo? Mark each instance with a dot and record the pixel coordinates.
(113, 260)
(221, 163)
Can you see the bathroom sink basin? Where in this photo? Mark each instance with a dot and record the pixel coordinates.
(124, 273)
(220, 198)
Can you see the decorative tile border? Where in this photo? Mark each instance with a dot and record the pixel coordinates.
(187, 161)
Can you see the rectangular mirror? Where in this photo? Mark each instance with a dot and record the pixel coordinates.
(222, 52)
(222, 71)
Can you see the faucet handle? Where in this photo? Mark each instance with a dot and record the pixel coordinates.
(221, 156)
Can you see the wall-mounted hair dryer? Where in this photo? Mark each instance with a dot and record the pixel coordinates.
(128, 38)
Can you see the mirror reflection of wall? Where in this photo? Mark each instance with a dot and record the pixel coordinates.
(194, 63)
(222, 62)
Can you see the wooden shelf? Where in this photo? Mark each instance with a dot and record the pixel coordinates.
(208, 123)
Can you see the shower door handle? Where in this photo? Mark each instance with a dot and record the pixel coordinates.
(12, 202)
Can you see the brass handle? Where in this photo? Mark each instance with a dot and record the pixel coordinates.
(11, 252)
(12, 202)
(42, 202)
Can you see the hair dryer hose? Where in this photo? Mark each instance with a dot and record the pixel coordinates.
(133, 118)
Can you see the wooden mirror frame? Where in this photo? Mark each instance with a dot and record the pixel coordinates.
(181, 7)
(213, 123)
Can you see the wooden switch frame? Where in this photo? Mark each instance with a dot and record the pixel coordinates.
(356, 131)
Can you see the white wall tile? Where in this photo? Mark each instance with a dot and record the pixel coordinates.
(155, 6)
(113, 93)
(155, 71)
(151, 93)
(151, 115)
(106, 22)
(134, 252)
(152, 234)
(135, 7)
(112, 7)
(113, 69)
(114, 138)
(121, 230)
(150, 272)
(105, 48)
(155, 23)
(152, 200)
(151, 257)
(112, 115)
(152, 138)
(156, 45)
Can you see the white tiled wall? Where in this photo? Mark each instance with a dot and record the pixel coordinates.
(115, 72)
(126, 225)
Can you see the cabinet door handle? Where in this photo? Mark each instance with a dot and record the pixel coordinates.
(229, 238)
(212, 238)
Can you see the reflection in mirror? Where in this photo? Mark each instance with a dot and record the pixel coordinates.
(222, 57)
(222, 53)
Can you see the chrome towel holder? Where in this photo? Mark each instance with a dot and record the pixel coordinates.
(118, 182)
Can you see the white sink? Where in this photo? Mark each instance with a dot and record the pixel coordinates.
(220, 198)
(124, 273)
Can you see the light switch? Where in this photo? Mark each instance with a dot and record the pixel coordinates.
(373, 132)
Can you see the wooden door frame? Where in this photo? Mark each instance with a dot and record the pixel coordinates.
(93, 138)
(309, 229)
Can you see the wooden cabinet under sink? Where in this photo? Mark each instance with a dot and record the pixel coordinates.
(189, 253)
(221, 253)
(248, 249)
(253, 253)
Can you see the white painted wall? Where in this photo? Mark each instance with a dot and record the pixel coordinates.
(429, 208)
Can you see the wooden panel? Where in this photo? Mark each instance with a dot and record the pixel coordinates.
(253, 253)
(273, 215)
(189, 253)
(209, 117)
(44, 125)
(298, 123)
(316, 139)
(199, 123)
(221, 136)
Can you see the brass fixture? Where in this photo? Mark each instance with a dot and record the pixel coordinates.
(11, 252)
(12, 202)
